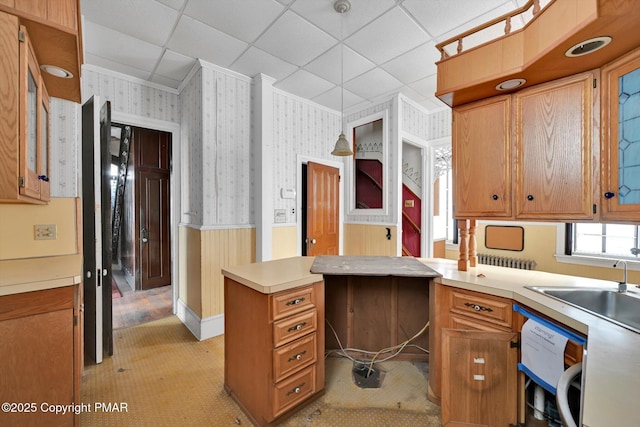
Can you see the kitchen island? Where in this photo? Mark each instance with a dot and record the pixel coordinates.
(611, 368)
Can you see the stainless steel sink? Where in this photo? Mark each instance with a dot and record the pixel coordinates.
(622, 308)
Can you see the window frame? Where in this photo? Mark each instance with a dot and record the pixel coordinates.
(564, 243)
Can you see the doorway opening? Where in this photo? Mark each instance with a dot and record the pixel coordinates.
(141, 234)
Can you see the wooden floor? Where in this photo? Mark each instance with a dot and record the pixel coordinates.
(137, 307)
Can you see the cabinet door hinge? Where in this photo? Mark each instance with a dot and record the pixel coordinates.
(21, 36)
(75, 320)
(515, 344)
(595, 83)
(21, 181)
(595, 208)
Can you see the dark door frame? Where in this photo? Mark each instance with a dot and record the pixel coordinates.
(176, 215)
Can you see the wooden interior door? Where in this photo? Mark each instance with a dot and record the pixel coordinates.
(479, 378)
(96, 229)
(153, 201)
(323, 209)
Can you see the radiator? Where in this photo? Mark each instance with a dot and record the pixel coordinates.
(503, 261)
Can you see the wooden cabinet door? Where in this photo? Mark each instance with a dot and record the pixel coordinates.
(620, 181)
(481, 162)
(479, 378)
(554, 149)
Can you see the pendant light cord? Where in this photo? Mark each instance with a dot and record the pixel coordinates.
(342, 72)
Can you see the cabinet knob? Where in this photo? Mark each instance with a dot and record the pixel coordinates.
(494, 197)
(530, 197)
(609, 194)
(44, 178)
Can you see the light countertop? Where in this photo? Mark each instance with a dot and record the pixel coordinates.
(274, 276)
(36, 274)
(612, 371)
(612, 365)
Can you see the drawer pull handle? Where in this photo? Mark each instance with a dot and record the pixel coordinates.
(477, 307)
(297, 327)
(296, 390)
(295, 301)
(297, 356)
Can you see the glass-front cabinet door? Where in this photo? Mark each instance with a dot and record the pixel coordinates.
(30, 134)
(43, 148)
(620, 139)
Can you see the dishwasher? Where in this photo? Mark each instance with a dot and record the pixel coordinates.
(555, 388)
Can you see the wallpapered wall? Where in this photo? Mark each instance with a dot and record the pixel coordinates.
(300, 128)
(126, 95)
(218, 168)
(214, 109)
(226, 149)
(190, 136)
(425, 126)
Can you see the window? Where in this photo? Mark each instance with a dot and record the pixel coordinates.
(445, 226)
(603, 240)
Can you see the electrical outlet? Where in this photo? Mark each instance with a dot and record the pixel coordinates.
(45, 231)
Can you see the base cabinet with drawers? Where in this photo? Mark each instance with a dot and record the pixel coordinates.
(274, 349)
(474, 358)
(475, 352)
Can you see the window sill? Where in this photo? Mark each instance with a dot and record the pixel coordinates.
(595, 261)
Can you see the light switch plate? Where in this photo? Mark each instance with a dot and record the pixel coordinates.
(45, 231)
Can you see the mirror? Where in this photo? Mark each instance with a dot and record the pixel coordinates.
(369, 165)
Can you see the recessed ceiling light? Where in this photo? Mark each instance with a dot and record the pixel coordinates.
(510, 84)
(588, 46)
(56, 71)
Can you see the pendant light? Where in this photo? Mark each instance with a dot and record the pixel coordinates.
(342, 147)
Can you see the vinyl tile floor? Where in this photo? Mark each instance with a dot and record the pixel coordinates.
(160, 375)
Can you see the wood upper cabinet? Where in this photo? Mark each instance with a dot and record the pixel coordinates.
(620, 136)
(24, 106)
(529, 155)
(481, 150)
(554, 149)
(56, 33)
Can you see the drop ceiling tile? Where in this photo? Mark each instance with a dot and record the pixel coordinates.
(174, 65)
(328, 65)
(175, 4)
(255, 61)
(295, 40)
(244, 20)
(373, 83)
(304, 84)
(119, 48)
(428, 85)
(389, 36)
(193, 38)
(415, 64)
(332, 99)
(91, 59)
(146, 20)
(322, 14)
(444, 16)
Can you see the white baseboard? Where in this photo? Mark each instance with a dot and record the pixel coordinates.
(202, 329)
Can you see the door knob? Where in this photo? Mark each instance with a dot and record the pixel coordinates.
(144, 235)
(313, 241)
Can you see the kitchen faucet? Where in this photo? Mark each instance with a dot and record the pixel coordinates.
(622, 286)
